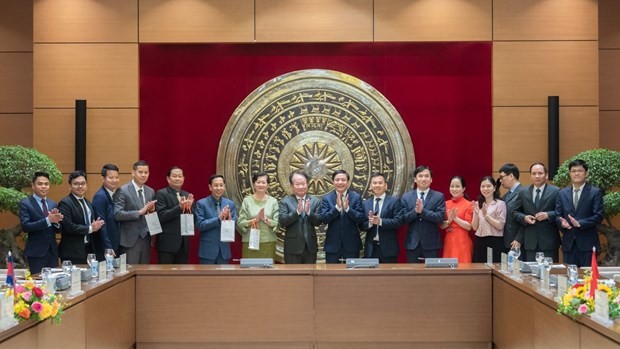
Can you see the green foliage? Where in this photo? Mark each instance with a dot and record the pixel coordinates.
(603, 172)
(9, 200)
(18, 164)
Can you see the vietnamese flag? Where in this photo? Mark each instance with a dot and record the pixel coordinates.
(594, 279)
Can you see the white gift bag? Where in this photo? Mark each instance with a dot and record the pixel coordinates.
(227, 231)
(187, 224)
(254, 243)
(152, 221)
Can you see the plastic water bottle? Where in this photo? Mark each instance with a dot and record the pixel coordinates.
(109, 259)
(511, 260)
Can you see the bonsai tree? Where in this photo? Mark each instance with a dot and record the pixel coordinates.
(603, 172)
(17, 165)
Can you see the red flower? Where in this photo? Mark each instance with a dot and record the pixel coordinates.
(38, 292)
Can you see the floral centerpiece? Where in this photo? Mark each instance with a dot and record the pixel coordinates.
(34, 302)
(578, 301)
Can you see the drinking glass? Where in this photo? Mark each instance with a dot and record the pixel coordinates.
(548, 263)
(573, 274)
(48, 279)
(517, 252)
(109, 259)
(66, 267)
(94, 266)
(540, 256)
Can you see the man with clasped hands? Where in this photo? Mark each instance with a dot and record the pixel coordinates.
(342, 211)
(209, 214)
(40, 218)
(298, 216)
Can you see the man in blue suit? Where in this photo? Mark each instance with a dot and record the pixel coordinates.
(424, 210)
(103, 204)
(382, 223)
(40, 218)
(342, 211)
(578, 209)
(209, 214)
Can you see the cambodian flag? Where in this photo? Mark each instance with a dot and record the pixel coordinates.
(10, 273)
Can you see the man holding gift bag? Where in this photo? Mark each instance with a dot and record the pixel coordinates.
(172, 204)
(132, 202)
(215, 218)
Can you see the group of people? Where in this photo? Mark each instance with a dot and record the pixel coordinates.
(528, 218)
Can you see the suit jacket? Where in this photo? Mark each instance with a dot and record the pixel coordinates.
(424, 226)
(209, 224)
(169, 212)
(542, 235)
(299, 229)
(41, 234)
(342, 231)
(126, 207)
(589, 213)
(391, 220)
(74, 227)
(110, 234)
(512, 228)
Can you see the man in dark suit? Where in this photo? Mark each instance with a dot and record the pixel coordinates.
(385, 216)
(535, 211)
(172, 248)
(513, 234)
(342, 211)
(424, 210)
(80, 222)
(39, 217)
(103, 204)
(132, 202)
(209, 214)
(298, 217)
(578, 209)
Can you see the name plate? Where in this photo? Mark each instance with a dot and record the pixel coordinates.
(123, 266)
(76, 282)
(6, 311)
(490, 257)
(562, 287)
(545, 280)
(504, 263)
(102, 271)
(601, 309)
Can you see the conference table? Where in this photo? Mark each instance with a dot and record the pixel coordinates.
(313, 306)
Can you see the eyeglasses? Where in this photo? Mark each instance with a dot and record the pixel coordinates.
(78, 184)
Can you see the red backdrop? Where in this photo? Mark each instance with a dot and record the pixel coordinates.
(441, 90)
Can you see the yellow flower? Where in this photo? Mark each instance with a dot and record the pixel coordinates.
(603, 287)
(580, 292)
(55, 307)
(566, 299)
(29, 284)
(46, 311)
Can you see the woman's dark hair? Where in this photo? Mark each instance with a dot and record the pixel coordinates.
(481, 198)
(462, 180)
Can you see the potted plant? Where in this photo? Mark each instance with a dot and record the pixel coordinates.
(17, 165)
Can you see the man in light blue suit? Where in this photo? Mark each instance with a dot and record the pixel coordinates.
(424, 210)
(208, 215)
(342, 211)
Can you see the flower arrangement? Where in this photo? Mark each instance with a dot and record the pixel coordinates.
(577, 300)
(33, 302)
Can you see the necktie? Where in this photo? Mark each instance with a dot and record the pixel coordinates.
(86, 219)
(576, 198)
(45, 211)
(141, 197)
(377, 200)
(422, 197)
(303, 207)
(218, 207)
(537, 199)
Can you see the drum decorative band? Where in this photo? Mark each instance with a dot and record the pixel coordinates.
(316, 121)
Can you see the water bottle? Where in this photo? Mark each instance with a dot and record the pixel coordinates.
(511, 259)
(573, 274)
(109, 259)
